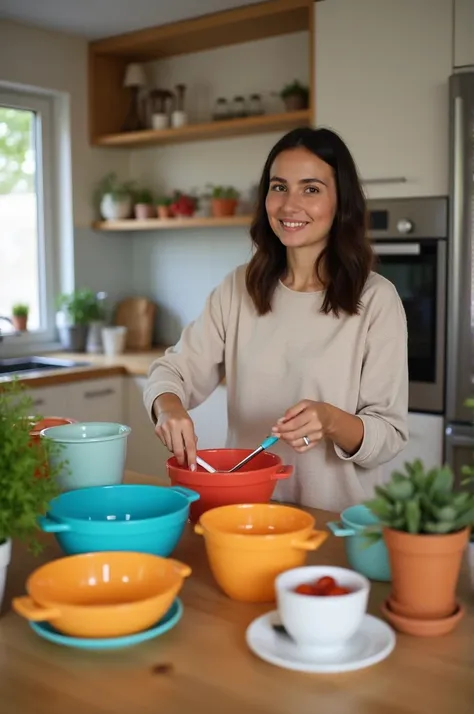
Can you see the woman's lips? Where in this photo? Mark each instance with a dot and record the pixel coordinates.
(293, 226)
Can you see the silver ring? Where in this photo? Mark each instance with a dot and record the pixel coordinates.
(306, 440)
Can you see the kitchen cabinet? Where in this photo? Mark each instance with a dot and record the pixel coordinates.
(381, 71)
(145, 452)
(426, 436)
(463, 33)
(97, 400)
(50, 401)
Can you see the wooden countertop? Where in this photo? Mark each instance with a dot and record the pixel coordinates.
(213, 671)
(128, 363)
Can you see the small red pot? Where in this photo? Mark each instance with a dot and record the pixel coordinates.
(37, 427)
(253, 483)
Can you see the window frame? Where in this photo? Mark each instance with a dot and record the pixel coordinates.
(46, 188)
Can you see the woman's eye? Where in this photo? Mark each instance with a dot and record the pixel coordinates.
(311, 189)
(278, 187)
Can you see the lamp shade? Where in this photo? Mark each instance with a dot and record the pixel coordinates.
(134, 76)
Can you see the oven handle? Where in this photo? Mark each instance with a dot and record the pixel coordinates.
(397, 248)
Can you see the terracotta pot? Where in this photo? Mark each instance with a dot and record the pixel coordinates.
(20, 322)
(295, 102)
(425, 571)
(223, 207)
(143, 211)
(163, 211)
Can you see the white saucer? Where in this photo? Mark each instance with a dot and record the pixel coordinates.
(372, 643)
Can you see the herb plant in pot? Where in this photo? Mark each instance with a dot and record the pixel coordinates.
(114, 198)
(224, 201)
(144, 207)
(77, 310)
(20, 317)
(426, 525)
(163, 204)
(295, 96)
(23, 496)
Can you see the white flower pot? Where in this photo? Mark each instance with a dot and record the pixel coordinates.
(5, 556)
(114, 340)
(113, 210)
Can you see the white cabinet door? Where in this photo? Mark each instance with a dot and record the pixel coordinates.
(145, 452)
(463, 33)
(51, 401)
(210, 420)
(97, 400)
(425, 443)
(381, 71)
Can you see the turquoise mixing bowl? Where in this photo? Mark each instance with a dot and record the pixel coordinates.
(140, 518)
(95, 453)
(369, 560)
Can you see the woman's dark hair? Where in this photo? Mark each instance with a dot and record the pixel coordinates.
(348, 256)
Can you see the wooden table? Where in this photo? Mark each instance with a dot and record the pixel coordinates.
(213, 671)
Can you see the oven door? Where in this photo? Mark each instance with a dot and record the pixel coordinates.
(418, 271)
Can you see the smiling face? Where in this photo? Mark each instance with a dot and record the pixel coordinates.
(302, 199)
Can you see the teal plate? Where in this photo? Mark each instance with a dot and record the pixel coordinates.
(48, 632)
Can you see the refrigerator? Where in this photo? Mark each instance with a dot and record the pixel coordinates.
(459, 424)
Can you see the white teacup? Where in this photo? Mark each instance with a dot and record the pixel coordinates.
(316, 622)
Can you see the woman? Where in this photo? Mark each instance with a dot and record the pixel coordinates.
(313, 344)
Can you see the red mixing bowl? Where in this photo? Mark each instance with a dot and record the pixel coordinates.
(253, 483)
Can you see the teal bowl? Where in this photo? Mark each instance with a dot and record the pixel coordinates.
(371, 559)
(93, 453)
(127, 517)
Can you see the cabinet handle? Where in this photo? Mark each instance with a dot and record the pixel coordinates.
(395, 179)
(38, 402)
(99, 393)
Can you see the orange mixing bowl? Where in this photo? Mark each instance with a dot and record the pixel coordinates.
(248, 545)
(105, 594)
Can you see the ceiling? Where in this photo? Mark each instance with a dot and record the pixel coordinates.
(95, 19)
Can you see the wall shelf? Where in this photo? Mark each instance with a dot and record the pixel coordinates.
(154, 224)
(210, 130)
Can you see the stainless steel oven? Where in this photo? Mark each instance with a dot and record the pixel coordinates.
(410, 240)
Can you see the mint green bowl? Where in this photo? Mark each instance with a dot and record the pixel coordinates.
(95, 453)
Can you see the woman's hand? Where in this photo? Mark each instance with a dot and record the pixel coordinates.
(175, 428)
(304, 425)
(306, 420)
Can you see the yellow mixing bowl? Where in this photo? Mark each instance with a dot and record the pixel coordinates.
(107, 594)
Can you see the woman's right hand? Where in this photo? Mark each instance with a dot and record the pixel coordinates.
(175, 428)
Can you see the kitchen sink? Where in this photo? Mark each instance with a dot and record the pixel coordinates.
(20, 365)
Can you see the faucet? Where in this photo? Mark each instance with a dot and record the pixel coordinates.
(7, 319)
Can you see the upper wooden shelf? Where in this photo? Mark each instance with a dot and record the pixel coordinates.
(209, 130)
(153, 224)
(231, 27)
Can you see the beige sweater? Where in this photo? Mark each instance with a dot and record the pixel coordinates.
(356, 363)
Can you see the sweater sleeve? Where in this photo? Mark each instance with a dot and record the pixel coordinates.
(194, 367)
(383, 395)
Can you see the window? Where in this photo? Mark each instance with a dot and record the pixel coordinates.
(26, 230)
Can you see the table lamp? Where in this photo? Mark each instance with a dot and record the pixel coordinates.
(135, 79)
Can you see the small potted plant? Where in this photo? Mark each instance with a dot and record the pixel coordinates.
(224, 201)
(114, 198)
(426, 525)
(144, 204)
(76, 311)
(295, 96)
(183, 205)
(27, 483)
(20, 317)
(163, 206)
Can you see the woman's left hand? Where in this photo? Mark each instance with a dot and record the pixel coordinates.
(303, 425)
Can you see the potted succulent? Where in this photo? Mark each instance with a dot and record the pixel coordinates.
(163, 204)
(426, 526)
(224, 201)
(144, 204)
(183, 205)
(295, 96)
(23, 495)
(77, 310)
(114, 197)
(20, 317)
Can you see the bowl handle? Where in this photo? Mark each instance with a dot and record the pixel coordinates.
(183, 569)
(190, 495)
(282, 472)
(26, 607)
(48, 525)
(338, 529)
(199, 529)
(314, 540)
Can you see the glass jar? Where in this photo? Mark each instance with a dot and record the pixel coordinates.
(255, 105)
(238, 108)
(221, 109)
